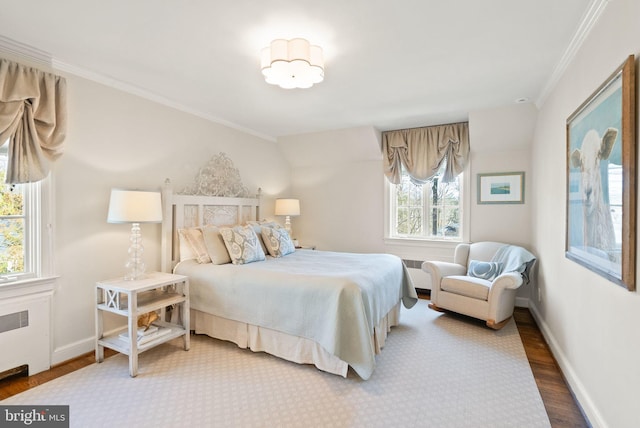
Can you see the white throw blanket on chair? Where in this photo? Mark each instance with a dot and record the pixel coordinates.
(515, 259)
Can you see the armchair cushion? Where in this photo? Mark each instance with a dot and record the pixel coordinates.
(484, 270)
(468, 286)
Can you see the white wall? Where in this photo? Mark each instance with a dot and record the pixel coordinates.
(119, 140)
(501, 142)
(338, 178)
(591, 323)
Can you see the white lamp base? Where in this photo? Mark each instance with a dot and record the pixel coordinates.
(287, 226)
(135, 265)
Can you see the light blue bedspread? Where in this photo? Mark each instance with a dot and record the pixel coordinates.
(334, 299)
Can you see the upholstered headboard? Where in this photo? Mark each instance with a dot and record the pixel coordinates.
(217, 197)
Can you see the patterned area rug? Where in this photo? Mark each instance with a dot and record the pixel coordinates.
(436, 370)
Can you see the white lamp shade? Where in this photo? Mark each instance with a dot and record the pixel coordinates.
(134, 206)
(287, 207)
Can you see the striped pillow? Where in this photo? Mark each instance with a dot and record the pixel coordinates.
(195, 241)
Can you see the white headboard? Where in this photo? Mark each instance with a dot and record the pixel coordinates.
(198, 208)
(180, 211)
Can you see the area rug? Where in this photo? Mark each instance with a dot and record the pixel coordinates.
(436, 370)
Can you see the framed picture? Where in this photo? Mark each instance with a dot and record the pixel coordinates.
(501, 188)
(601, 179)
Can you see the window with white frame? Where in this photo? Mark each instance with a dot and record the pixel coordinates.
(20, 227)
(425, 211)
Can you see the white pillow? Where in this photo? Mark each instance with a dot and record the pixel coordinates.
(214, 243)
(242, 244)
(195, 241)
(277, 241)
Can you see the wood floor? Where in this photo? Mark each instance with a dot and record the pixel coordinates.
(561, 407)
(558, 401)
(15, 384)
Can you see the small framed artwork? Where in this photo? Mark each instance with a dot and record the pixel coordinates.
(601, 179)
(501, 188)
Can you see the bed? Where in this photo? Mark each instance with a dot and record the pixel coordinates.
(329, 309)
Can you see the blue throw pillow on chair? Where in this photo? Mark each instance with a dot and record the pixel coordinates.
(484, 270)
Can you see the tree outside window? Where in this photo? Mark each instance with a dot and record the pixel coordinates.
(12, 223)
(426, 211)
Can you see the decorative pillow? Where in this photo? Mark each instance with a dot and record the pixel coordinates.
(484, 270)
(265, 223)
(257, 228)
(242, 244)
(216, 248)
(195, 240)
(185, 251)
(277, 241)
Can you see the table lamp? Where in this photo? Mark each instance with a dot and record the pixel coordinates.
(135, 207)
(287, 208)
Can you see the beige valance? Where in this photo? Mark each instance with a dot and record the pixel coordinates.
(33, 117)
(423, 150)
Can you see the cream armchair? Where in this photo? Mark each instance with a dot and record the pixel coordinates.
(473, 287)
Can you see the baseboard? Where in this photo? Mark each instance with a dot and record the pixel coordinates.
(73, 350)
(585, 403)
(76, 349)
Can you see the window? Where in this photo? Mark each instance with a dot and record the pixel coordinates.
(20, 220)
(429, 211)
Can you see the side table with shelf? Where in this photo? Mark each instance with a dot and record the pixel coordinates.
(305, 247)
(130, 299)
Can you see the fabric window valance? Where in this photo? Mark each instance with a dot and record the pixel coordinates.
(422, 152)
(33, 117)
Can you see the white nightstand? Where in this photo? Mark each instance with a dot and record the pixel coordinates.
(306, 247)
(133, 298)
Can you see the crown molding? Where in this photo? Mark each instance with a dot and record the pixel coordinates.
(591, 16)
(27, 52)
(34, 55)
(148, 95)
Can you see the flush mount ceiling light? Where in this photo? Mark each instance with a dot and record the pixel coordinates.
(292, 63)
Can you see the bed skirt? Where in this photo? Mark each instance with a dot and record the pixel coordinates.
(288, 347)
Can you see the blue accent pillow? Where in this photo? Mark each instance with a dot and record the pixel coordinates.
(484, 270)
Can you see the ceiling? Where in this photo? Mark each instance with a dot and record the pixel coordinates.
(389, 64)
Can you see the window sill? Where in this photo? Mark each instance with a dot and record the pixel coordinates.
(423, 243)
(25, 287)
(419, 250)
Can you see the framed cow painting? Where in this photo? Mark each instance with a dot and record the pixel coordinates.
(601, 176)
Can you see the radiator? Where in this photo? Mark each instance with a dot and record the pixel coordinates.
(25, 329)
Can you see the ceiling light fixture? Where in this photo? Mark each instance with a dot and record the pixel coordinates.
(292, 63)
